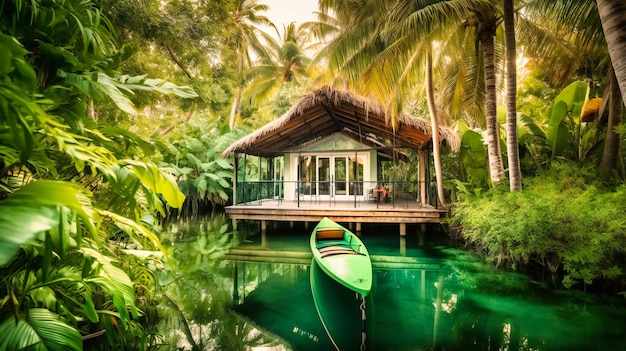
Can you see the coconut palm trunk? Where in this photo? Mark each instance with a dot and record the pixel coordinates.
(515, 175)
(613, 17)
(234, 111)
(610, 161)
(430, 96)
(487, 42)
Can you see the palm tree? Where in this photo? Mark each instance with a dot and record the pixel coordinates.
(434, 120)
(247, 20)
(484, 17)
(515, 174)
(283, 62)
(613, 16)
(611, 155)
(380, 52)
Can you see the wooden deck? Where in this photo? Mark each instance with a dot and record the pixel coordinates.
(402, 212)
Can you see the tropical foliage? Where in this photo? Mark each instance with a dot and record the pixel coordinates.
(562, 220)
(93, 149)
(193, 157)
(69, 182)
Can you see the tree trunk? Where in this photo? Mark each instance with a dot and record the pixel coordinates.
(515, 174)
(610, 155)
(177, 61)
(234, 111)
(184, 324)
(496, 168)
(435, 127)
(613, 17)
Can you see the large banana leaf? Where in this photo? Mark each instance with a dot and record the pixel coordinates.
(40, 330)
(36, 208)
(474, 157)
(568, 103)
(558, 136)
(473, 151)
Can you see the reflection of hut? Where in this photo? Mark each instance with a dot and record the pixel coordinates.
(335, 140)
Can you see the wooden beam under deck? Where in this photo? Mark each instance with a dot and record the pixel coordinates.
(339, 211)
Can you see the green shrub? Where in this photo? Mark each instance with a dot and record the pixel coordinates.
(561, 219)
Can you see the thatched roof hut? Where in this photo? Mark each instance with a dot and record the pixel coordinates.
(325, 111)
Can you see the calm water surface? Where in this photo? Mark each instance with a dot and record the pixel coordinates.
(426, 296)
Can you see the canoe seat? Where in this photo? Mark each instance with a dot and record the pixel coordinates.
(335, 248)
(329, 233)
(338, 251)
(326, 243)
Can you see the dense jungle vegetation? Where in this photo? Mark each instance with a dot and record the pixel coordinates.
(113, 115)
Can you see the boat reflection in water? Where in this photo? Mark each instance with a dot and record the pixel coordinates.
(273, 287)
(341, 310)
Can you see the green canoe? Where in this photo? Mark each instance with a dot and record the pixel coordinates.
(342, 255)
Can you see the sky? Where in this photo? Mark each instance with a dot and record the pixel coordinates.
(287, 11)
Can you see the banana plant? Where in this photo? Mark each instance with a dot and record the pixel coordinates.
(193, 159)
(566, 134)
(474, 158)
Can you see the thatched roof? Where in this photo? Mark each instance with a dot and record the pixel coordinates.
(325, 111)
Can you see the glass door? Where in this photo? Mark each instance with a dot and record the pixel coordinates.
(324, 175)
(340, 176)
(355, 172)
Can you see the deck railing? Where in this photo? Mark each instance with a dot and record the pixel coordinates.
(328, 193)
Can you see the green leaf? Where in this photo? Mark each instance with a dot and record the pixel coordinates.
(140, 83)
(41, 330)
(134, 227)
(90, 308)
(473, 150)
(568, 103)
(113, 280)
(36, 208)
(157, 181)
(574, 96)
(116, 92)
(201, 186)
(533, 128)
(558, 136)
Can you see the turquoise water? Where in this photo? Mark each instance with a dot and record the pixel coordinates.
(426, 295)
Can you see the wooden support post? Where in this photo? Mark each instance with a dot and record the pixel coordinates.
(235, 175)
(263, 239)
(263, 226)
(403, 229)
(291, 225)
(306, 225)
(402, 245)
(358, 227)
(234, 224)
